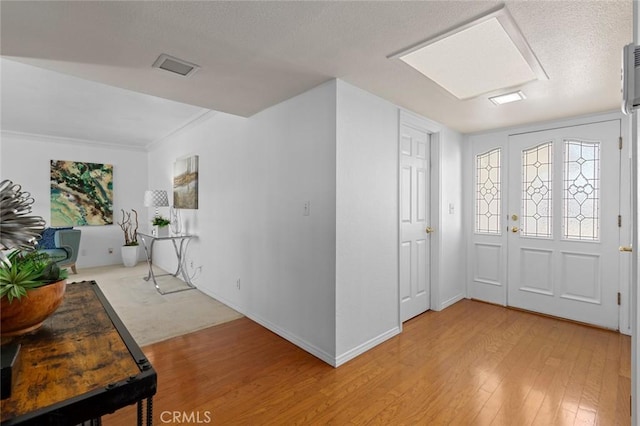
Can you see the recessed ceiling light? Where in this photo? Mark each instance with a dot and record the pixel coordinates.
(486, 54)
(508, 97)
(175, 65)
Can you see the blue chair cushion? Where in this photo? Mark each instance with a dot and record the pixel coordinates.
(47, 238)
(57, 254)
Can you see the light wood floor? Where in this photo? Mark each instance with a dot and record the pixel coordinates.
(472, 363)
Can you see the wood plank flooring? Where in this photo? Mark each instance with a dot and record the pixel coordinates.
(471, 364)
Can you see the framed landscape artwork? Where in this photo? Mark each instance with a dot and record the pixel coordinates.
(81, 193)
(185, 183)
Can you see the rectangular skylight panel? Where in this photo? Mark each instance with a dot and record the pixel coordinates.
(478, 59)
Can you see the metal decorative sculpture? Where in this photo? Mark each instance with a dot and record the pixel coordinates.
(17, 228)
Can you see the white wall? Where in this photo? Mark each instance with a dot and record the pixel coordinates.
(366, 221)
(367, 304)
(255, 176)
(451, 278)
(24, 159)
(328, 282)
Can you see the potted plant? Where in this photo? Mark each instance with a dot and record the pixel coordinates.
(31, 284)
(130, 228)
(32, 287)
(160, 226)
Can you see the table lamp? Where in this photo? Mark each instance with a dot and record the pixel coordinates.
(156, 198)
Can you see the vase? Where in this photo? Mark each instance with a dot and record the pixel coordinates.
(29, 312)
(129, 256)
(160, 231)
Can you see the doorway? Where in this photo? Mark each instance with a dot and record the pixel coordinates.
(546, 228)
(415, 219)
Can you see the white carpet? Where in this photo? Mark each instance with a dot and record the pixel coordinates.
(149, 316)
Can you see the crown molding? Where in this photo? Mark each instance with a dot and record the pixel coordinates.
(194, 121)
(73, 141)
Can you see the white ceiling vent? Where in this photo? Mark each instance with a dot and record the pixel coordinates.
(175, 65)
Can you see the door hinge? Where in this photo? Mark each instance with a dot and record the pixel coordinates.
(619, 299)
(620, 143)
(619, 221)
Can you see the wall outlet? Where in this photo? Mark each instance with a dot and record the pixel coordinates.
(191, 264)
(307, 208)
(238, 283)
(110, 250)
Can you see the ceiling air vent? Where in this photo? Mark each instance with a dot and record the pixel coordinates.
(175, 65)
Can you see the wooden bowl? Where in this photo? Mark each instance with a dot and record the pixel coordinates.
(28, 313)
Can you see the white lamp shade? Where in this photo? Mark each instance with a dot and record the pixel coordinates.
(156, 198)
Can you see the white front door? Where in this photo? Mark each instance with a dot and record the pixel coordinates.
(488, 250)
(562, 222)
(414, 220)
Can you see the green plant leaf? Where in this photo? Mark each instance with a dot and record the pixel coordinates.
(21, 271)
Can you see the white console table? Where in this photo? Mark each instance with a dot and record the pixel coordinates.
(179, 245)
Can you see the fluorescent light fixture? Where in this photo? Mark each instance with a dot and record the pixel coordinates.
(481, 56)
(508, 97)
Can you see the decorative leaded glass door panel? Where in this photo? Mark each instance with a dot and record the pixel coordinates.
(561, 222)
(488, 249)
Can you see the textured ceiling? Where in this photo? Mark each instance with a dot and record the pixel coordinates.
(256, 54)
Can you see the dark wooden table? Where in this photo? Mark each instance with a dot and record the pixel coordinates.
(80, 365)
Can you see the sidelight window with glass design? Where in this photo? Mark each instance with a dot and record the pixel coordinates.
(488, 192)
(581, 187)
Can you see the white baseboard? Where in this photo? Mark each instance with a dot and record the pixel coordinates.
(451, 301)
(301, 343)
(222, 300)
(313, 350)
(360, 349)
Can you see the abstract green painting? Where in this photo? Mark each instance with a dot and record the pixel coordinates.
(81, 193)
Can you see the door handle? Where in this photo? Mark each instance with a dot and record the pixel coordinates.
(428, 230)
(626, 249)
(515, 229)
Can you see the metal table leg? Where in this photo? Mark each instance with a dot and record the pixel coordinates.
(181, 269)
(149, 412)
(149, 252)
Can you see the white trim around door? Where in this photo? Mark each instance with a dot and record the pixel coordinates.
(430, 196)
(489, 251)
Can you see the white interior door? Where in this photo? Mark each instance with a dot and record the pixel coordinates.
(414, 221)
(562, 222)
